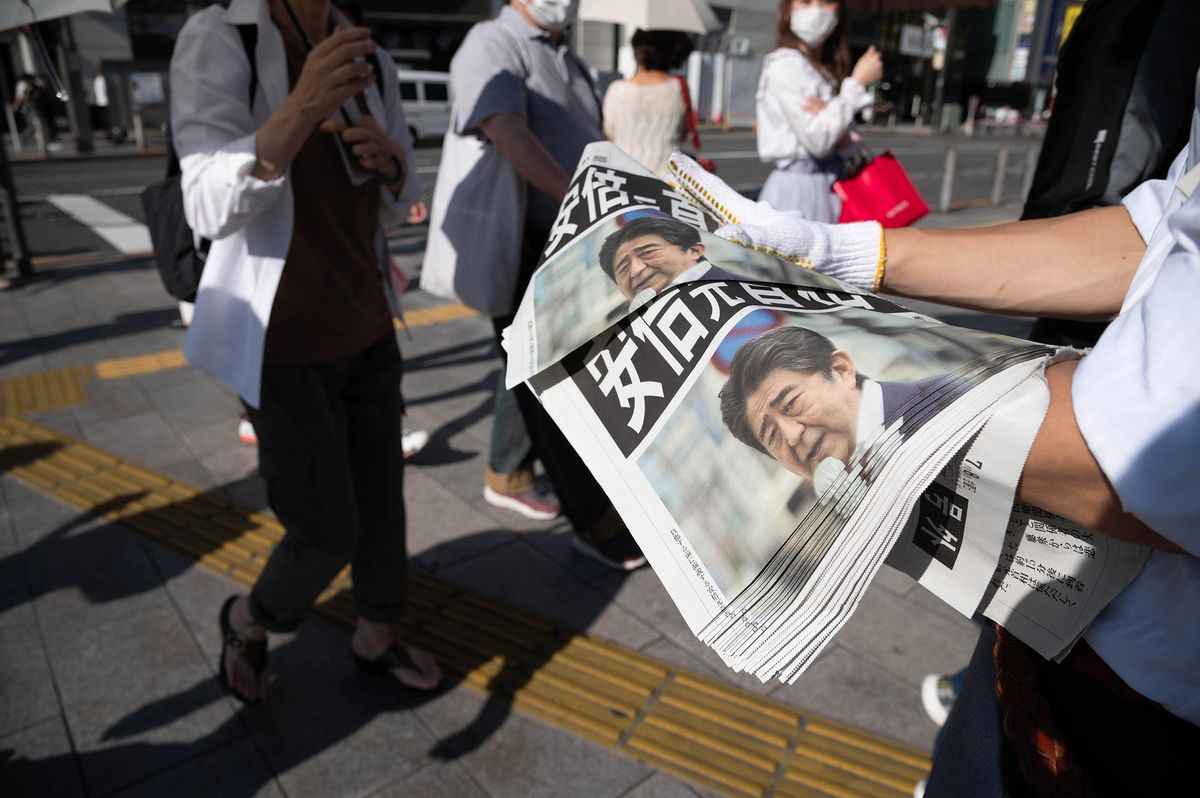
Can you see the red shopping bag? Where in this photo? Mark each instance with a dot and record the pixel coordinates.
(880, 192)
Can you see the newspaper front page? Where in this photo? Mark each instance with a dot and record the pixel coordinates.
(771, 436)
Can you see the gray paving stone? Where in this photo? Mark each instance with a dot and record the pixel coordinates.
(25, 679)
(197, 593)
(442, 529)
(190, 471)
(37, 762)
(557, 544)
(109, 400)
(661, 785)
(60, 420)
(86, 575)
(195, 403)
(232, 462)
(844, 686)
(80, 354)
(516, 574)
(925, 600)
(435, 780)
(894, 581)
(124, 735)
(31, 514)
(326, 729)
(907, 640)
(203, 439)
(233, 770)
(143, 438)
(523, 758)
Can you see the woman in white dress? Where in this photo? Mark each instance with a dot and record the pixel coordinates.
(645, 115)
(807, 99)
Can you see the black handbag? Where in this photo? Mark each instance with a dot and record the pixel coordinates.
(179, 257)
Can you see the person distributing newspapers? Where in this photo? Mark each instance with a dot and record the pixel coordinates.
(1118, 452)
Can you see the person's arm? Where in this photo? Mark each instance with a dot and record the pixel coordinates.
(330, 76)
(1077, 266)
(513, 140)
(1062, 476)
(233, 168)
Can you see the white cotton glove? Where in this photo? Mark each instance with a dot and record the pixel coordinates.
(853, 253)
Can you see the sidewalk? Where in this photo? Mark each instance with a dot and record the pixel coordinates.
(109, 641)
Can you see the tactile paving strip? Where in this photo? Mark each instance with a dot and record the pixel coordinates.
(423, 317)
(122, 367)
(47, 390)
(687, 724)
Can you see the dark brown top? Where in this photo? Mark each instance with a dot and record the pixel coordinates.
(330, 301)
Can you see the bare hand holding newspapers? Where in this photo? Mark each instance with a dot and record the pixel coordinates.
(853, 253)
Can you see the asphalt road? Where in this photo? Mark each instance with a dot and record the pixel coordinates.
(117, 181)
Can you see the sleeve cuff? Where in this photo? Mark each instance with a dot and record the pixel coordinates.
(252, 193)
(858, 97)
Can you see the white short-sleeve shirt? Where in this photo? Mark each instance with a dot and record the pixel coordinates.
(1137, 402)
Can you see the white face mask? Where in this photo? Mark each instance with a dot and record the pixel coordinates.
(553, 15)
(813, 24)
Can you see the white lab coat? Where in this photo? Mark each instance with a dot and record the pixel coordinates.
(249, 220)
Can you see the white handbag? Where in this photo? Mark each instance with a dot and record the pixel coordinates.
(477, 222)
(476, 226)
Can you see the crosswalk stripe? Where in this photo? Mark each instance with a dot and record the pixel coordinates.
(122, 231)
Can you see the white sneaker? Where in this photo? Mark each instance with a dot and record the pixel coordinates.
(246, 433)
(937, 696)
(186, 311)
(413, 441)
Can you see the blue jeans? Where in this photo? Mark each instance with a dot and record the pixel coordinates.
(511, 448)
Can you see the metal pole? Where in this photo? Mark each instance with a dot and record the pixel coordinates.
(1000, 173)
(948, 171)
(8, 114)
(1031, 159)
(12, 218)
(77, 110)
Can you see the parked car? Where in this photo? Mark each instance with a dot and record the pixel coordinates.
(426, 100)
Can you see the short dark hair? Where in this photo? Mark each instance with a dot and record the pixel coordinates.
(662, 50)
(668, 228)
(793, 348)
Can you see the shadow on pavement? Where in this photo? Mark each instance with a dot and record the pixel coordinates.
(317, 699)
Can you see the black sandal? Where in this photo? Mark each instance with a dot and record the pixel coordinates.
(394, 656)
(253, 651)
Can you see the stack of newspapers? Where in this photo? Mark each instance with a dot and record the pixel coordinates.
(772, 437)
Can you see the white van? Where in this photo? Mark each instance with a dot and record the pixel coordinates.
(426, 100)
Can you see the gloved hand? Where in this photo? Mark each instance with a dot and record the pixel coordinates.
(853, 253)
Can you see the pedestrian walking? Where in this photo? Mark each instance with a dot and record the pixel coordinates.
(517, 84)
(646, 115)
(806, 102)
(294, 310)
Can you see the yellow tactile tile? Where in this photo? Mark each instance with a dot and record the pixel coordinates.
(690, 725)
(47, 390)
(122, 367)
(423, 317)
